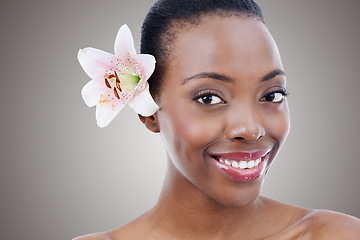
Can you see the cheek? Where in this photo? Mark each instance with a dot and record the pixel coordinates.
(185, 133)
(278, 125)
(184, 138)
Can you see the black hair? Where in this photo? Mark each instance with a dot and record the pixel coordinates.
(166, 16)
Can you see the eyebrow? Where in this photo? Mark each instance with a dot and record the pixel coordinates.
(211, 75)
(227, 79)
(273, 74)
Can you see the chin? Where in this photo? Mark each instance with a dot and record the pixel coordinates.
(238, 195)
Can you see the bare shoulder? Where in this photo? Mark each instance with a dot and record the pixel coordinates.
(303, 223)
(95, 236)
(124, 232)
(136, 229)
(330, 225)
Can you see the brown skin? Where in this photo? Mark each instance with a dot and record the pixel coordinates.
(198, 201)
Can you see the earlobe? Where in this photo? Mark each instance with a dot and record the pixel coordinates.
(150, 122)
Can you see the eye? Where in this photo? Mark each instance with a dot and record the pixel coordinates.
(208, 98)
(276, 96)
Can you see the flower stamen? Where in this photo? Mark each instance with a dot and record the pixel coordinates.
(117, 81)
(107, 83)
(116, 93)
(118, 85)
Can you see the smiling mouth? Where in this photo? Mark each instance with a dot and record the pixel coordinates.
(239, 164)
(242, 166)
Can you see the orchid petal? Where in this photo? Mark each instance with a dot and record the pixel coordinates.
(91, 92)
(143, 103)
(147, 62)
(106, 111)
(95, 62)
(124, 43)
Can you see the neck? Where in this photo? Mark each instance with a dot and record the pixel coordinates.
(185, 211)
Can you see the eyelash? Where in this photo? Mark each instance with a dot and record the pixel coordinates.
(212, 93)
(199, 96)
(280, 90)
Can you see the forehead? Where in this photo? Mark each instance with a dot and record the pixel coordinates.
(235, 46)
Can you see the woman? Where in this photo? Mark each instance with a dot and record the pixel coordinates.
(223, 117)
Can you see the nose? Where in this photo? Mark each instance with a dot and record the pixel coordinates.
(245, 125)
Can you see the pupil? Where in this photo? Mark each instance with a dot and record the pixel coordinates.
(207, 99)
(270, 97)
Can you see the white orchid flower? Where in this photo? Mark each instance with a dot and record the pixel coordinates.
(117, 79)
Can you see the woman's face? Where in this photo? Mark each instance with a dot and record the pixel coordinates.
(223, 116)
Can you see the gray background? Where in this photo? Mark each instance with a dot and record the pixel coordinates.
(61, 176)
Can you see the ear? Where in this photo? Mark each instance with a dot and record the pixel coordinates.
(151, 122)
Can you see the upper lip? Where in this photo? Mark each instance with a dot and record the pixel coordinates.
(241, 155)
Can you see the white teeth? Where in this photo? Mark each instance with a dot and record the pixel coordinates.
(251, 164)
(241, 164)
(234, 164)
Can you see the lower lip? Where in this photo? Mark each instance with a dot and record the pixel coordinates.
(243, 175)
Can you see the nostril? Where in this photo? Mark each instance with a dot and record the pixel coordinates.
(248, 139)
(240, 138)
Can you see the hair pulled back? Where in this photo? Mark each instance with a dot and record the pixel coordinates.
(160, 25)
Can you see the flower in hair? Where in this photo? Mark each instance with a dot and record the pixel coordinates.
(117, 79)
